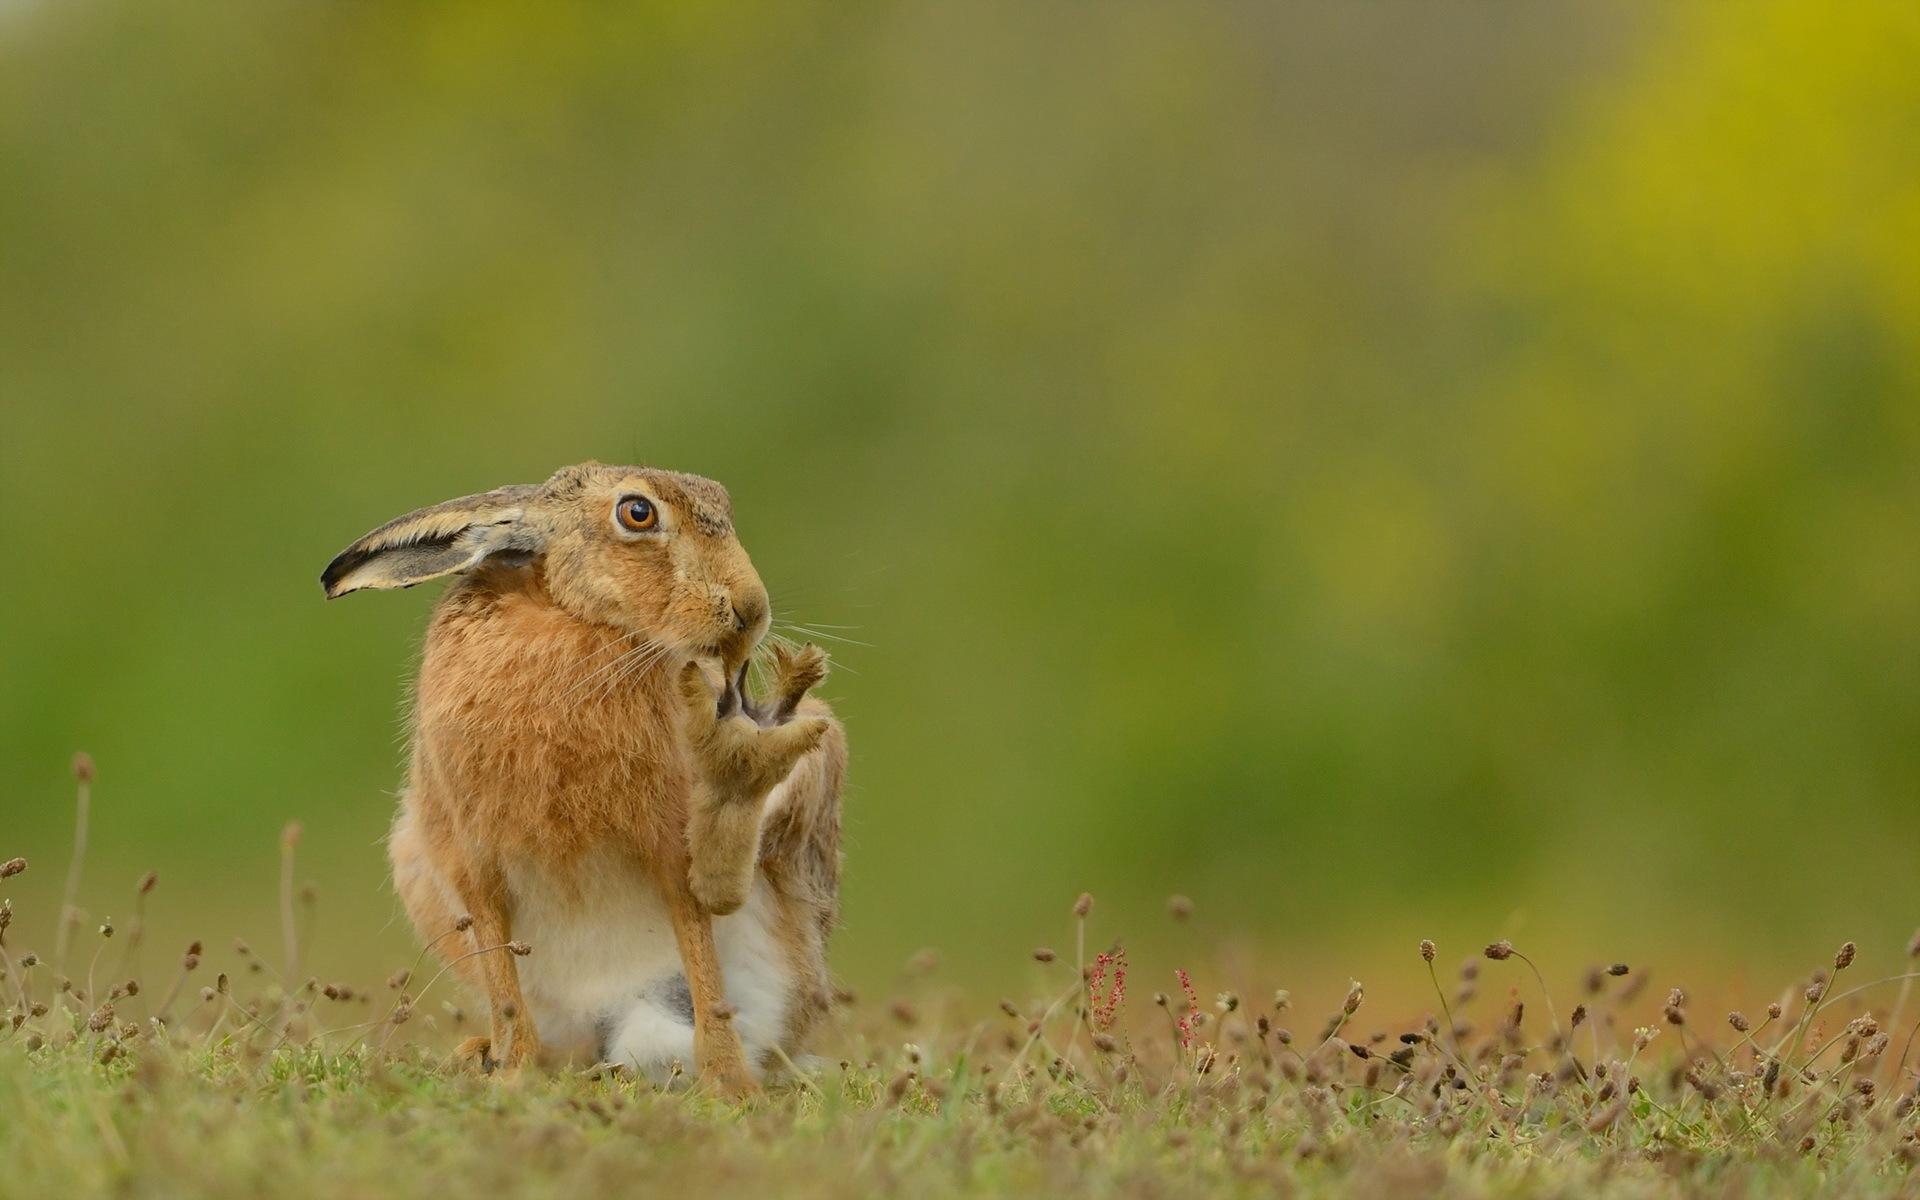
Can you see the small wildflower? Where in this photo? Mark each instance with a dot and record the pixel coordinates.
(1427, 949)
(1356, 994)
(1193, 1018)
(1500, 950)
(1226, 1002)
(1107, 987)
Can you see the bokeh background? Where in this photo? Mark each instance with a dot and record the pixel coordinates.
(1381, 470)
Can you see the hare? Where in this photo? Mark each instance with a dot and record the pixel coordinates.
(626, 856)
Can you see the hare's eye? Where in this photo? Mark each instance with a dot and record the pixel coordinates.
(637, 513)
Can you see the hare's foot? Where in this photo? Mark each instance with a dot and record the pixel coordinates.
(477, 1051)
(794, 674)
(745, 745)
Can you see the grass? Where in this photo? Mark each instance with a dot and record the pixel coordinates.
(254, 1081)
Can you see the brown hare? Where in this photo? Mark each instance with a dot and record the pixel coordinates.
(628, 857)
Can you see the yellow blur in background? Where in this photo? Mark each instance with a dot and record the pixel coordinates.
(1384, 470)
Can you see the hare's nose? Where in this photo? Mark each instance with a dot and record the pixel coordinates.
(748, 611)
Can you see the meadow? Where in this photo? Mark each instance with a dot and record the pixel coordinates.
(131, 1069)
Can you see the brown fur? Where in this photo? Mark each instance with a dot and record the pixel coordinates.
(535, 740)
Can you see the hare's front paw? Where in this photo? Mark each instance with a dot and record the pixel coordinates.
(745, 745)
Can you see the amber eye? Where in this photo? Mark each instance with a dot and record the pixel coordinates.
(636, 513)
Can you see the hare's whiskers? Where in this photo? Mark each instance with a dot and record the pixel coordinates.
(810, 631)
(643, 645)
(635, 666)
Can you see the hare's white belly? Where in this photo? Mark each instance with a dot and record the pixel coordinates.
(605, 977)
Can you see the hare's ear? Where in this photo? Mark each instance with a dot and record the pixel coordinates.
(447, 538)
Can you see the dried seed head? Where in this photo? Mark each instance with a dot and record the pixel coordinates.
(1427, 950)
(1083, 905)
(83, 767)
(1739, 1022)
(12, 867)
(106, 928)
(148, 882)
(1814, 991)
(1355, 996)
(1282, 1000)
(1500, 950)
(1044, 954)
(463, 924)
(1617, 970)
(30, 960)
(519, 948)
(1913, 945)
(1179, 907)
(1844, 958)
(1579, 1017)
(290, 836)
(1676, 998)
(1773, 1011)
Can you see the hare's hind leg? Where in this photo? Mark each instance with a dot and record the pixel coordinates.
(801, 858)
(801, 841)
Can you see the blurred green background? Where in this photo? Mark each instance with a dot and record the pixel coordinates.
(1384, 470)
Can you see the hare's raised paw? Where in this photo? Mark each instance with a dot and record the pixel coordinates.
(795, 673)
(745, 746)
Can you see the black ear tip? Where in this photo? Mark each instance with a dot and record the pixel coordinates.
(335, 572)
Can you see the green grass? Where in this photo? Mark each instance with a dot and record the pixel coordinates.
(257, 1079)
(161, 1122)
(334, 1093)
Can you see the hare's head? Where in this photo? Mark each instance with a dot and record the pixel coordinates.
(649, 551)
